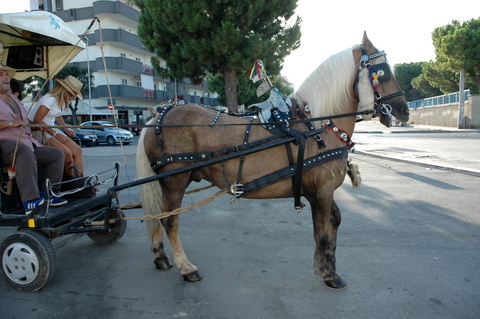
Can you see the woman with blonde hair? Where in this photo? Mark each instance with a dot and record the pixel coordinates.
(48, 110)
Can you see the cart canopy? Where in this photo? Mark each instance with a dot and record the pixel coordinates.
(36, 43)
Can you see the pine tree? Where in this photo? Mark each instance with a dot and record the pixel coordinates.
(201, 37)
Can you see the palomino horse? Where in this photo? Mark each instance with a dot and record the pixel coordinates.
(358, 78)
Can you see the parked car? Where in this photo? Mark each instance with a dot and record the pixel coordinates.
(84, 139)
(106, 132)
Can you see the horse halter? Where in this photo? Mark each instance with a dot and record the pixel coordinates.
(382, 73)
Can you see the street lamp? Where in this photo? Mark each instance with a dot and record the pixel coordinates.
(89, 84)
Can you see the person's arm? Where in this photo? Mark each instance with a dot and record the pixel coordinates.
(38, 119)
(14, 123)
(67, 130)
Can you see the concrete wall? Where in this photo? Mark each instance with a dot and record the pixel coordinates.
(447, 114)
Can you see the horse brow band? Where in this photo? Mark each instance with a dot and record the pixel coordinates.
(376, 55)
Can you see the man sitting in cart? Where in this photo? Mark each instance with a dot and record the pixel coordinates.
(30, 152)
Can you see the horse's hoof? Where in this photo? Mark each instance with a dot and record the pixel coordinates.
(162, 263)
(338, 283)
(192, 277)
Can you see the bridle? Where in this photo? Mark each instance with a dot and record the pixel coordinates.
(382, 74)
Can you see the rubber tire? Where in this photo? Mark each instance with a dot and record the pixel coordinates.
(113, 234)
(28, 259)
(110, 141)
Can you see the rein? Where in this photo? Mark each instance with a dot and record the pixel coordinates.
(306, 120)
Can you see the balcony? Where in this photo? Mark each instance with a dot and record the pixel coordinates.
(136, 92)
(117, 10)
(114, 9)
(119, 64)
(118, 37)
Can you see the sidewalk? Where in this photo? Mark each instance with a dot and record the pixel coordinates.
(442, 147)
(376, 127)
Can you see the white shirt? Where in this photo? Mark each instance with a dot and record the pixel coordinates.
(54, 109)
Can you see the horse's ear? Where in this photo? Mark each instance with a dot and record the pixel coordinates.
(366, 43)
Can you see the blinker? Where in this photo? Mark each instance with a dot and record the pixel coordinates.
(383, 72)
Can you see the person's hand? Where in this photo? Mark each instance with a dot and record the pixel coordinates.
(62, 138)
(70, 132)
(17, 123)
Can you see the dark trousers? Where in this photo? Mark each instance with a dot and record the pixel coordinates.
(51, 158)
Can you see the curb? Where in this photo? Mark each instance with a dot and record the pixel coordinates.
(460, 170)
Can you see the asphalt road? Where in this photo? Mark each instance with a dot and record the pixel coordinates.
(408, 247)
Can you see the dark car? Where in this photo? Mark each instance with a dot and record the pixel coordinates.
(106, 132)
(84, 139)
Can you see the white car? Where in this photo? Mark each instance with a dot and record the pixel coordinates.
(107, 132)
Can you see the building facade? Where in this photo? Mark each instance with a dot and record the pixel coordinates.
(123, 75)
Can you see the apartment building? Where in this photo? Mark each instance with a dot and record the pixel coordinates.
(120, 64)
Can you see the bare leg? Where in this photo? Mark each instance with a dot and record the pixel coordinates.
(73, 153)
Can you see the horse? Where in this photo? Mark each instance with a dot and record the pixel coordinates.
(356, 79)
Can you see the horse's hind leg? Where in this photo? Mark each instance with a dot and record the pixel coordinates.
(187, 269)
(326, 219)
(161, 261)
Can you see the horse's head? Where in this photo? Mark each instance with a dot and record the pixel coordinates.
(376, 84)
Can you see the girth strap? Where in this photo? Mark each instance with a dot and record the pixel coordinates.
(297, 186)
(237, 188)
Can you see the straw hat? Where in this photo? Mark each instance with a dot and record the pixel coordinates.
(10, 71)
(72, 85)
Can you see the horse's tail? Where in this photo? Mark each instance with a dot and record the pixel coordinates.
(150, 193)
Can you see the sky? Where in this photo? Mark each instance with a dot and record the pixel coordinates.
(401, 28)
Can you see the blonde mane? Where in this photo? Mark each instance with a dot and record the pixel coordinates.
(328, 90)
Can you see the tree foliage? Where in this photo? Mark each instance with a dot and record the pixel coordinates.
(201, 37)
(405, 73)
(457, 47)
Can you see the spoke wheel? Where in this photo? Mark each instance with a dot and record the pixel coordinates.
(114, 232)
(28, 260)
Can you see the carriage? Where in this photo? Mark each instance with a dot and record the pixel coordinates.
(298, 148)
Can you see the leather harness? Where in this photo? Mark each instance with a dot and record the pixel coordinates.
(294, 170)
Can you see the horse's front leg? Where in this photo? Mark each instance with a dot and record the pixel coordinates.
(188, 270)
(335, 220)
(326, 219)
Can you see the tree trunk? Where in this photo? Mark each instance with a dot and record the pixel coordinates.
(477, 77)
(231, 89)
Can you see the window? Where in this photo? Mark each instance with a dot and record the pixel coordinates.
(139, 83)
(124, 82)
(59, 5)
(123, 55)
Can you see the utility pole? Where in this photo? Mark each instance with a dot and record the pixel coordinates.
(461, 100)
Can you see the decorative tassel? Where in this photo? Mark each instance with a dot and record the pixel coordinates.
(354, 174)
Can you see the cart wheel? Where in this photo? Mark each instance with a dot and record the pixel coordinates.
(114, 232)
(29, 261)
